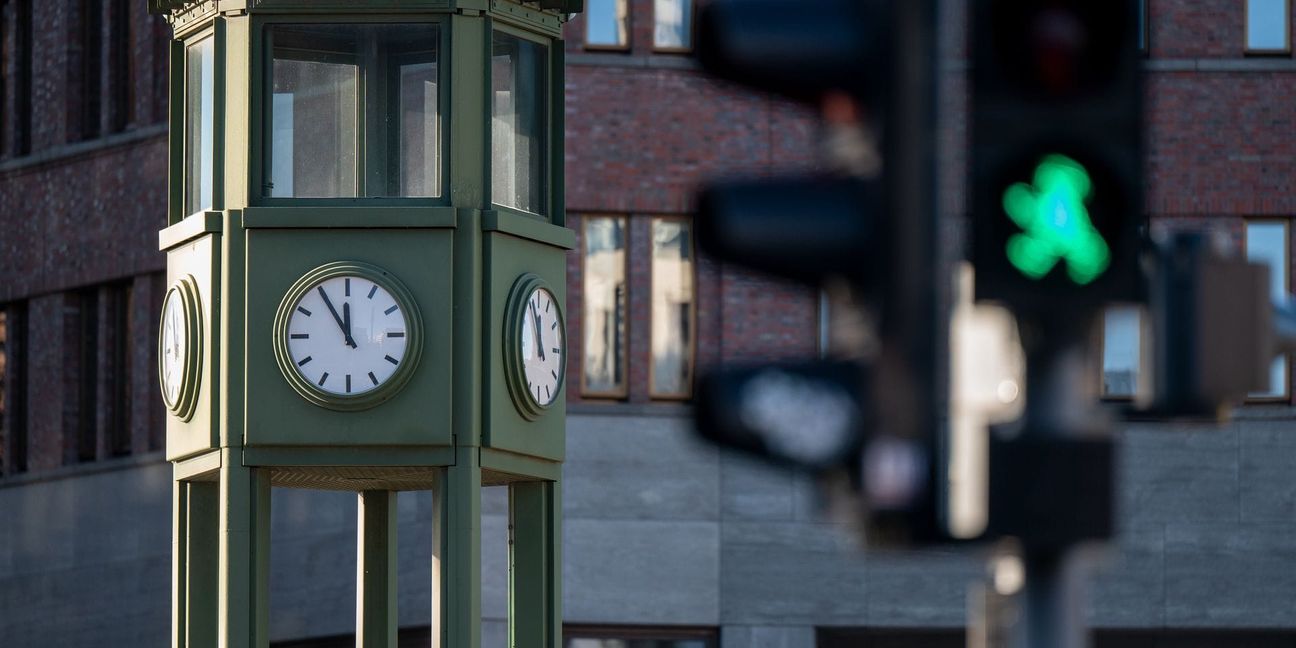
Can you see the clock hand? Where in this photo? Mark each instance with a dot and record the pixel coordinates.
(346, 319)
(536, 330)
(336, 317)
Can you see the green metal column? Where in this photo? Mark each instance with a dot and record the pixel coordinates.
(535, 543)
(202, 559)
(376, 570)
(457, 554)
(244, 553)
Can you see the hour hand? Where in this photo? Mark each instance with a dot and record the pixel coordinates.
(346, 324)
(346, 336)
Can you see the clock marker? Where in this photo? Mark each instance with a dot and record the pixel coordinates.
(346, 287)
(375, 380)
(397, 334)
(554, 325)
(547, 305)
(554, 374)
(548, 394)
(348, 383)
(557, 351)
(304, 361)
(300, 336)
(392, 360)
(322, 379)
(372, 291)
(304, 311)
(391, 310)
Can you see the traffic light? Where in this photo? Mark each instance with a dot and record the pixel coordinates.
(874, 419)
(1057, 153)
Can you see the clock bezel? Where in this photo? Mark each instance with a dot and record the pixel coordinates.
(514, 368)
(185, 289)
(413, 336)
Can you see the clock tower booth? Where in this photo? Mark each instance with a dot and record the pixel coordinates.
(366, 257)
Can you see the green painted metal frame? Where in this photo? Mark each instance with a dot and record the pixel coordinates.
(223, 475)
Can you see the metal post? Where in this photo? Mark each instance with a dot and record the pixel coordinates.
(1060, 405)
(376, 570)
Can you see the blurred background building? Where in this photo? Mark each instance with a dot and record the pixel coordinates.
(666, 542)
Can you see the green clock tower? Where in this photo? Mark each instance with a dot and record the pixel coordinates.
(365, 255)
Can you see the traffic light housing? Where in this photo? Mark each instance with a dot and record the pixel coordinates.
(874, 230)
(1057, 153)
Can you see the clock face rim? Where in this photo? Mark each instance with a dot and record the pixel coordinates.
(184, 292)
(515, 367)
(413, 341)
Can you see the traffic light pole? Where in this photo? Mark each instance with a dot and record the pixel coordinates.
(1060, 410)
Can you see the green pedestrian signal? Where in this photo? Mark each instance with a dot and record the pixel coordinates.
(1055, 223)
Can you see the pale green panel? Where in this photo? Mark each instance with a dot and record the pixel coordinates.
(199, 258)
(508, 257)
(420, 413)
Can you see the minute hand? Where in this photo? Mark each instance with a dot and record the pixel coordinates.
(346, 337)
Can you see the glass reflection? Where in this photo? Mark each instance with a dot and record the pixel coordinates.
(674, 24)
(672, 308)
(606, 23)
(1266, 242)
(1121, 351)
(518, 122)
(200, 125)
(1266, 24)
(354, 111)
(605, 306)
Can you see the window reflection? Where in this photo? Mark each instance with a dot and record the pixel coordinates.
(200, 125)
(1121, 351)
(1266, 25)
(673, 24)
(605, 306)
(672, 308)
(606, 23)
(354, 111)
(518, 121)
(1266, 242)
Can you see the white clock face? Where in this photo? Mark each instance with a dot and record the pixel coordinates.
(175, 347)
(544, 346)
(347, 335)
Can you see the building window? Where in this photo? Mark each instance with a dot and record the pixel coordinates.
(90, 57)
(639, 638)
(1267, 242)
(17, 129)
(1268, 28)
(1143, 29)
(604, 320)
(121, 82)
(673, 25)
(607, 24)
(672, 314)
(519, 120)
(354, 111)
(200, 124)
(1121, 351)
(13, 390)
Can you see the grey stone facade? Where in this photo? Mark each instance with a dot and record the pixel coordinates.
(660, 530)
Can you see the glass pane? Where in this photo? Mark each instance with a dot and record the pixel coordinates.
(1267, 242)
(328, 141)
(672, 308)
(420, 131)
(518, 122)
(674, 24)
(200, 130)
(1266, 24)
(1142, 25)
(605, 23)
(605, 306)
(313, 151)
(1121, 344)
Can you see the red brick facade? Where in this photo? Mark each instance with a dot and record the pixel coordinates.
(644, 129)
